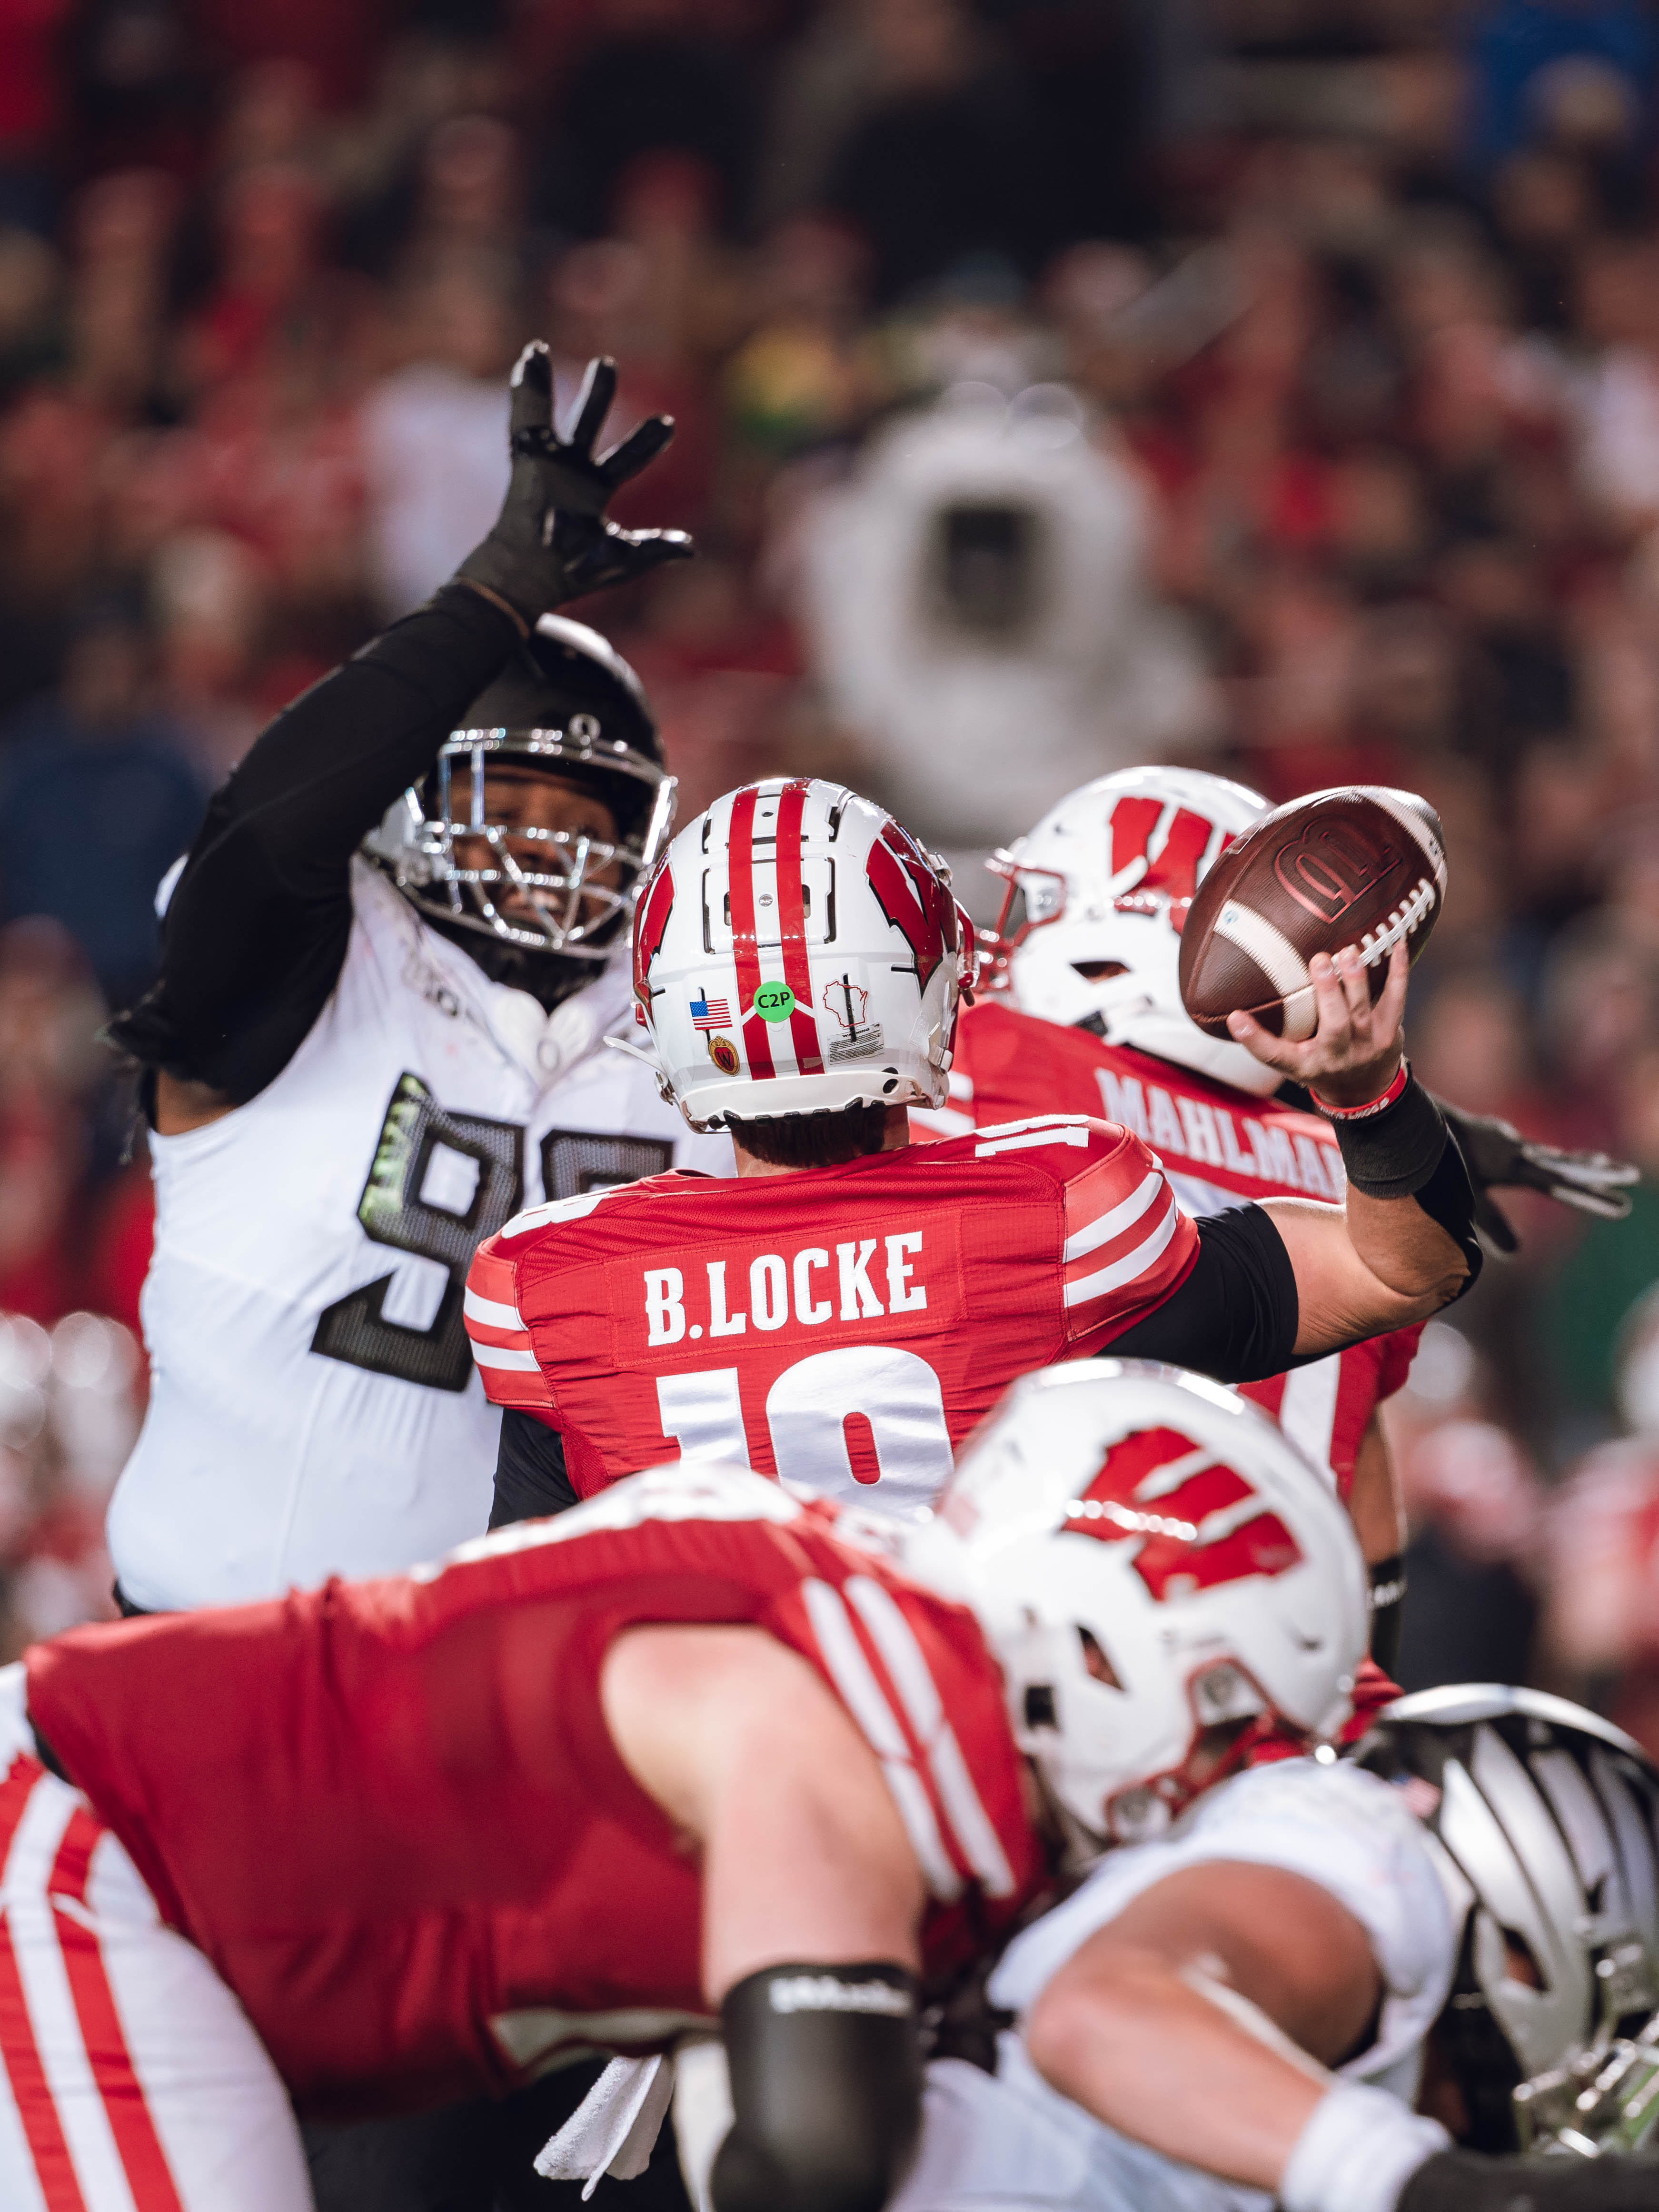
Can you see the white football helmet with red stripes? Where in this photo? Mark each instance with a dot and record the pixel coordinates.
(795, 953)
(1165, 1580)
(1106, 879)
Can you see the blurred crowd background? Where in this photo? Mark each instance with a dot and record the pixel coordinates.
(1269, 385)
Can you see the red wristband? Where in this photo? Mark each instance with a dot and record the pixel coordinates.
(1375, 1106)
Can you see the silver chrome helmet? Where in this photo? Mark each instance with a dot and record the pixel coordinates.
(1547, 1820)
(567, 703)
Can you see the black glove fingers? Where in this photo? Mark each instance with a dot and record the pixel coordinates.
(651, 548)
(637, 451)
(551, 542)
(593, 406)
(1585, 1198)
(1596, 1169)
(531, 394)
(1493, 1223)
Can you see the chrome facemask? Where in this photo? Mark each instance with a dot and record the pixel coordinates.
(576, 915)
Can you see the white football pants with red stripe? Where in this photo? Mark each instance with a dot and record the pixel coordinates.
(130, 2080)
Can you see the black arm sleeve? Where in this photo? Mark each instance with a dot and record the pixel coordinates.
(826, 2089)
(258, 925)
(1236, 1315)
(530, 1481)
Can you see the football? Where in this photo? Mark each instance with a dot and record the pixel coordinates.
(1363, 865)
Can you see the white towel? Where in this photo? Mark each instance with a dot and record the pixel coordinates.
(614, 2129)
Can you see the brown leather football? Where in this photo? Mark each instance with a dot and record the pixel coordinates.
(1364, 865)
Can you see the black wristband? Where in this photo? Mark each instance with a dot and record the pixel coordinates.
(1386, 1602)
(826, 2088)
(1407, 1151)
(1394, 1154)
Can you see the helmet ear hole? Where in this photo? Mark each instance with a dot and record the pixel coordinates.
(1040, 1707)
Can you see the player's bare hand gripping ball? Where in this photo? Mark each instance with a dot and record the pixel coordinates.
(552, 541)
(1355, 1050)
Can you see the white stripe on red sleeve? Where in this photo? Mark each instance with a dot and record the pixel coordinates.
(504, 1360)
(1116, 1219)
(862, 1695)
(504, 1350)
(491, 1312)
(1081, 1290)
(1128, 1239)
(907, 1666)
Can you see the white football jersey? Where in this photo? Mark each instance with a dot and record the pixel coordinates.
(1010, 2142)
(314, 1409)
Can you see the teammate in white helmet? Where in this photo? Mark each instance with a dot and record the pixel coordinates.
(1303, 1982)
(390, 964)
(846, 1310)
(1082, 1014)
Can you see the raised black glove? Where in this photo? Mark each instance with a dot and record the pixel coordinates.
(1498, 1155)
(1461, 2181)
(551, 541)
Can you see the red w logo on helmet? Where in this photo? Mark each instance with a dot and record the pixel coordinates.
(1195, 1521)
(913, 899)
(649, 923)
(1173, 876)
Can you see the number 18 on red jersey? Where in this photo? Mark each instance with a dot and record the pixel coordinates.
(843, 1326)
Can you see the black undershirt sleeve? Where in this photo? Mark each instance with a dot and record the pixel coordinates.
(1236, 1315)
(531, 1480)
(256, 928)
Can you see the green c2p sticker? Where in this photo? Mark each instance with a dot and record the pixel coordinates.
(774, 1002)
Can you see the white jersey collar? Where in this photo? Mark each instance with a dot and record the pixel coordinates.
(544, 1046)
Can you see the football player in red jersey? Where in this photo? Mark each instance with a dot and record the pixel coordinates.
(847, 1308)
(1084, 1016)
(696, 1752)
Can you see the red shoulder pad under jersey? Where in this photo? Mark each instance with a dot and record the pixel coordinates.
(843, 1326)
(470, 1880)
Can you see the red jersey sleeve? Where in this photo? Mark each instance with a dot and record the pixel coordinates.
(1127, 1243)
(501, 1348)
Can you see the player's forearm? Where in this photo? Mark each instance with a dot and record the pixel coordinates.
(1376, 1505)
(325, 771)
(1410, 1256)
(1165, 2064)
(1404, 1246)
(1342, 1297)
(1411, 1204)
